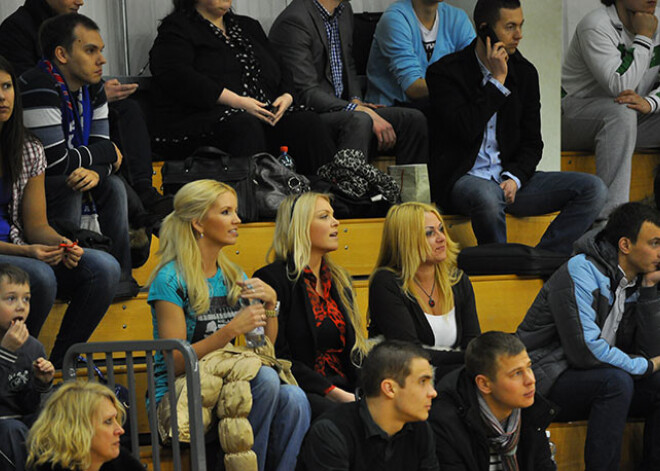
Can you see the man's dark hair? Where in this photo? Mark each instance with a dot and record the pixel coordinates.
(58, 31)
(607, 3)
(482, 352)
(488, 11)
(626, 220)
(389, 359)
(13, 274)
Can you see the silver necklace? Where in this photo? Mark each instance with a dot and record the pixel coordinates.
(430, 296)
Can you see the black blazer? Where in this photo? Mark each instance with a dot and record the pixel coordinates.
(296, 338)
(397, 316)
(461, 108)
(299, 34)
(19, 41)
(191, 67)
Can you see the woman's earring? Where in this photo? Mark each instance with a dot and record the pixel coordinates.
(201, 235)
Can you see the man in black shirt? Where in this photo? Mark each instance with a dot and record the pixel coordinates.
(386, 430)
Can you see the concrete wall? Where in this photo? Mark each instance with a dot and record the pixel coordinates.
(542, 44)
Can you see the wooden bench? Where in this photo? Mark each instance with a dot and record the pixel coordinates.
(359, 242)
(569, 438)
(644, 165)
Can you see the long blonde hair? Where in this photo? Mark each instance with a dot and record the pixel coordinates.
(292, 245)
(404, 248)
(178, 243)
(62, 434)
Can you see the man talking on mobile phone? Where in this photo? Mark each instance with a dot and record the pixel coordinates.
(485, 111)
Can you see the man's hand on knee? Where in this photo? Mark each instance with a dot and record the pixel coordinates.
(633, 101)
(509, 188)
(82, 179)
(381, 128)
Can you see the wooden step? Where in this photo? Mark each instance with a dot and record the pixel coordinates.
(501, 300)
(125, 320)
(569, 438)
(359, 242)
(644, 165)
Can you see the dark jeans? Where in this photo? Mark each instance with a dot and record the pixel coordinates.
(89, 288)
(308, 138)
(353, 130)
(607, 397)
(13, 433)
(579, 197)
(128, 130)
(64, 204)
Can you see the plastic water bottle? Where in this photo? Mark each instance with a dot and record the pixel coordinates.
(285, 159)
(256, 337)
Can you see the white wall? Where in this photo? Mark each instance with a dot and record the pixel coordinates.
(574, 10)
(542, 44)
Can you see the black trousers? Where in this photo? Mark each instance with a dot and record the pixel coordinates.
(353, 130)
(307, 136)
(128, 130)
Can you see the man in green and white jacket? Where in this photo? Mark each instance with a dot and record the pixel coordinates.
(609, 79)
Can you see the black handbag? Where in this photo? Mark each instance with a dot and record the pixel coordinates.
(274, 182)
(510, 258)
(211, 162)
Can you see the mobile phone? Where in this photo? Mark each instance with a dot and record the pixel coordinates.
(486, 31)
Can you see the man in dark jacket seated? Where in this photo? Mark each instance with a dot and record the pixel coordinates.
(593, 334)
(386, 430)
(486, 111)
(487, 415)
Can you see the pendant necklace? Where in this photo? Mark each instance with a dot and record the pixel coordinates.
(430, 296)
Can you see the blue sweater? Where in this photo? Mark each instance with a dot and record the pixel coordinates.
(397, 56)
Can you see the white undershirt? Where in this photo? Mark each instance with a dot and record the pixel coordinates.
(429, 36)
(444, 329)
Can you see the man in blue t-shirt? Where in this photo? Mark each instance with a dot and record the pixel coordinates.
(410, 36)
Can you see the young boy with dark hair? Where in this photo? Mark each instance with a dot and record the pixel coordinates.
(24, 371)
(488, 416)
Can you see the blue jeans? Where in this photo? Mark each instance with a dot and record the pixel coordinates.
(89, 288)
(607, 397)
(13, 433)
(64, 204)
(579, 196)
(280, 417)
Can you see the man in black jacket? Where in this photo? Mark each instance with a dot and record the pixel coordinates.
(387, 429)
(488, 415)
(486, 111)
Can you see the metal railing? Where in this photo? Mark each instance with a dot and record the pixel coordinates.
(146, 350)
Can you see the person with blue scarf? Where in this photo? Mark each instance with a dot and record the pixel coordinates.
(66, 108)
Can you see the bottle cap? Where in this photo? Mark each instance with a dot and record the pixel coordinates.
(284, 149)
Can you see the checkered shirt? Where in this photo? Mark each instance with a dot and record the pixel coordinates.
(34, 164)
(331, 23)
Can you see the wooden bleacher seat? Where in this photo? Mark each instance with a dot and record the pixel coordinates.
(644, 165)
(359, 242)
